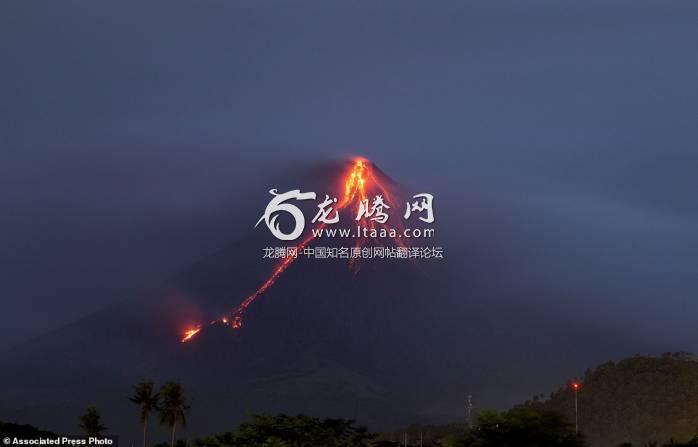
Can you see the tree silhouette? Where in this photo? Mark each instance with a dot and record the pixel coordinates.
(143, 396)
(521, 428)
(291, 431)
(90, 422)
(173, 407)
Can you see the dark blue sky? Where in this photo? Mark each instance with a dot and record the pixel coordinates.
(128, 130)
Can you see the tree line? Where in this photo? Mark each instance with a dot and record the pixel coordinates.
(169, 403)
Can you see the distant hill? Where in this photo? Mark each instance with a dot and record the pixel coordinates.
(23, 431)
(638, 400)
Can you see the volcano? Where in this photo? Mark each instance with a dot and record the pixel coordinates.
(361, 181)
(385, 341)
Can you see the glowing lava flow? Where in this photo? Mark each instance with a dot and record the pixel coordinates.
(355, 190)
(190, 333)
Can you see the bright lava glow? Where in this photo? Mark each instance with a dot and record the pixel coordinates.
(189, 334)
(356, 182)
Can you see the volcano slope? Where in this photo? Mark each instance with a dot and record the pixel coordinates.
(387, 342)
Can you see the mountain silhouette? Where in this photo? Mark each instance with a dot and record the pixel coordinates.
(386, 342)
(639, 400)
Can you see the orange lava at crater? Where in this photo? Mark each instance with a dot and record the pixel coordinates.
(355, 183)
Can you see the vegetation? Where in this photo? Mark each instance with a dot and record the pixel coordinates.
(692, 442)
(520, 427)
(173, 407)
(427, 434)
(148, 400)
(291, 431)
(90, 422)
(640, 400)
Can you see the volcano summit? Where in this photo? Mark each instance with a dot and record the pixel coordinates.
(360, 181)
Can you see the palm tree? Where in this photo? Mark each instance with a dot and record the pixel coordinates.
(90, 422)
(143, 396)
(173, 406)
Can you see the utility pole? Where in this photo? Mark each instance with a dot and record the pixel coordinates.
(420, 439)
(405, 439)
(575, 387)
(469, 411)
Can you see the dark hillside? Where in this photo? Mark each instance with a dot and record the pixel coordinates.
(638, 400)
